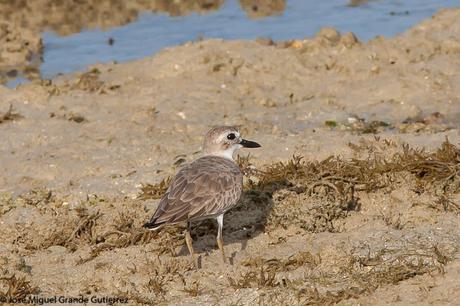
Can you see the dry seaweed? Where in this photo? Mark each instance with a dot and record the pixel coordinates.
(149, 191)
(328, 188)
(6, 203)
(37, 196)
(260, 278)
(70, 232)
(348, 278)
(18, 288)
(84, 229)
(64, 113)
(295, 261)
(363, 274)
(444, 203)
(89, 81)
(244, 162)
(156, 285)
(393, 220)
(123, 234)
(75, 117)
(441, 167)
(194, 289)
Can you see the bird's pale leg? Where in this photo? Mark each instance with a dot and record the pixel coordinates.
(189, 241)
(220, 243)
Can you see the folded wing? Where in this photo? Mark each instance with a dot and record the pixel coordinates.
(207, 187)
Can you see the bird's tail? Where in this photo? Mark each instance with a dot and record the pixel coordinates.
(153, 225)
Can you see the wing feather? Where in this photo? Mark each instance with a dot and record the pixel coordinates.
(208, 186)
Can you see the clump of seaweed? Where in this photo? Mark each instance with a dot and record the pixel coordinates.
(311, 213)
(280, 175)
(162, 273)
(444, 203)
(440, 168)
(37, 196)
(393, 220)
(171, 238)
(295, 261)
(315, 193)
(265, 273)
(367, 174)
(6, 203)
(71, 116)
(69, 231)
(17, 288)
(363, 274)
(91, 224)
(244, 162)
(156, 285)
(329, 282)
(64, 113)
(259, 278)
(149, 191)
(84, 229)
(194, 289)
(89, 81)
(123, 234)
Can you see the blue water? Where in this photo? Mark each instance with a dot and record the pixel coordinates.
(301, 18)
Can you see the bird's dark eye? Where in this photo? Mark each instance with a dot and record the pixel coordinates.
(231, 136)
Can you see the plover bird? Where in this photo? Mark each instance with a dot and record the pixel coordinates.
(205, 188)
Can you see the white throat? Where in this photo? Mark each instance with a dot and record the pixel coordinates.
(227, 153)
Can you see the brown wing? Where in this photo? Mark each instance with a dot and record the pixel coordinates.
(208, 186)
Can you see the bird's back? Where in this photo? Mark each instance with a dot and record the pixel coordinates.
(207, 187)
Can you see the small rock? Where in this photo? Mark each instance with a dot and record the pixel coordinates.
(267, 102)
(433, 118)
(349, 40)
(265, 41)
(375, 69)
(330, 34)
(182, 115)
(296, 44)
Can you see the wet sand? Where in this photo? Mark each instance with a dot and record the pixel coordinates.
(77, 150)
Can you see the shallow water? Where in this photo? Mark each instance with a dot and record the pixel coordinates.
(153, 32)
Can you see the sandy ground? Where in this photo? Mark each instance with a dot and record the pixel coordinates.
(377, 225)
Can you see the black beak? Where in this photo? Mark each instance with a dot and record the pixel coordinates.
(249, 144)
